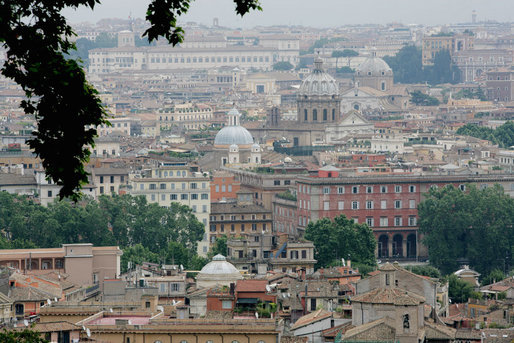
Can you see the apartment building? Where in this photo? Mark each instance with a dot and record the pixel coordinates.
(387, 204)
(175, 182)
(188, 116)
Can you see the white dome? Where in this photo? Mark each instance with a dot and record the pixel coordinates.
(233, 135)
(319, 82)
(219, 266)
(374, 65)
(233, 148)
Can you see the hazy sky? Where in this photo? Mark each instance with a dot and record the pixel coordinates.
(317, 13)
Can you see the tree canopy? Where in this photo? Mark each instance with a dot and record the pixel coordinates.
(146, 231)
(503, 135)
(473, 226)
(283, 65)
(341, 238)
(66, 107)
(23, 336)
(421, 99)
(407, 67)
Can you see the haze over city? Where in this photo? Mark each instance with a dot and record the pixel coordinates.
(326, 171)
(322, 13)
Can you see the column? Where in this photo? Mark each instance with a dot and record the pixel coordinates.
(389, 246)
(404, 246)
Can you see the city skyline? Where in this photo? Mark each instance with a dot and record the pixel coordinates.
(299, 12)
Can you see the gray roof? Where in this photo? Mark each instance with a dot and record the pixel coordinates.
(375, 65)
(16, 179)
(233, 135)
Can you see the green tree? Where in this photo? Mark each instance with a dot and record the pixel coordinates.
(429, 271)
(459, 290)
(219, 247)
(67, 108)
(494, 276)
(341, 238)
(421, 99)
(503, 135)
(406, 65)
(443, 71)
(24, 336)
(137, 254)
(476, 225)
(283, 65)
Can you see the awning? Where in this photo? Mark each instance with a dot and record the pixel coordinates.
(247, 301)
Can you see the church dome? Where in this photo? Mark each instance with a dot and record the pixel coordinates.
(218, 266)
(218, 272)
(230, 135)
(374, 66)
(319, 82)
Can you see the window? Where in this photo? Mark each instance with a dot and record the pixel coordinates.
(412, 203)
(397, 189)
(369, 221)
(225, 305)
(340, 205)
(153, 186)
(369, 189)
(326, 205)
(183, 196)
(222, 228)
(412, 189)
(162, 186)
(355, 205)
(50, 192)
(397, 204)
(173, 197)
(355, 189)
(254, 227)
(340, 190)
(397, 221)
(315, 115)
(369, 205)
(194, 185)
(101, 179)
(383, 221)
(194, 196)
(142, 186)
(412, 221)
(383, 204)
(112, 179)
(462, 187)
(383, 189)
(204, 196)
(304, 254)
(326, 190)
(276, 182)
(175, 287)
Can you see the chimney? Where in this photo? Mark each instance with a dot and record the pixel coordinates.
(349, 263)
(232, 288)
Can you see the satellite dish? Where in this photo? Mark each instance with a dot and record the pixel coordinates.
(48, 302)
(257, 315)
(110, 310)
(268, 288)
(25, 322)
(181, 268)
(55, 299)
(88, 332)
(160, 308)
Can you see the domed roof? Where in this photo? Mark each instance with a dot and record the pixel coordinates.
(233, 135)
(219, 266)
(374, 65)
(319, 82)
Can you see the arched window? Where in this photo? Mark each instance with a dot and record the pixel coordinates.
(333, 114)
(325, 116)
(383, 86)
(305, 116)
(314, 115)
(157, 341)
